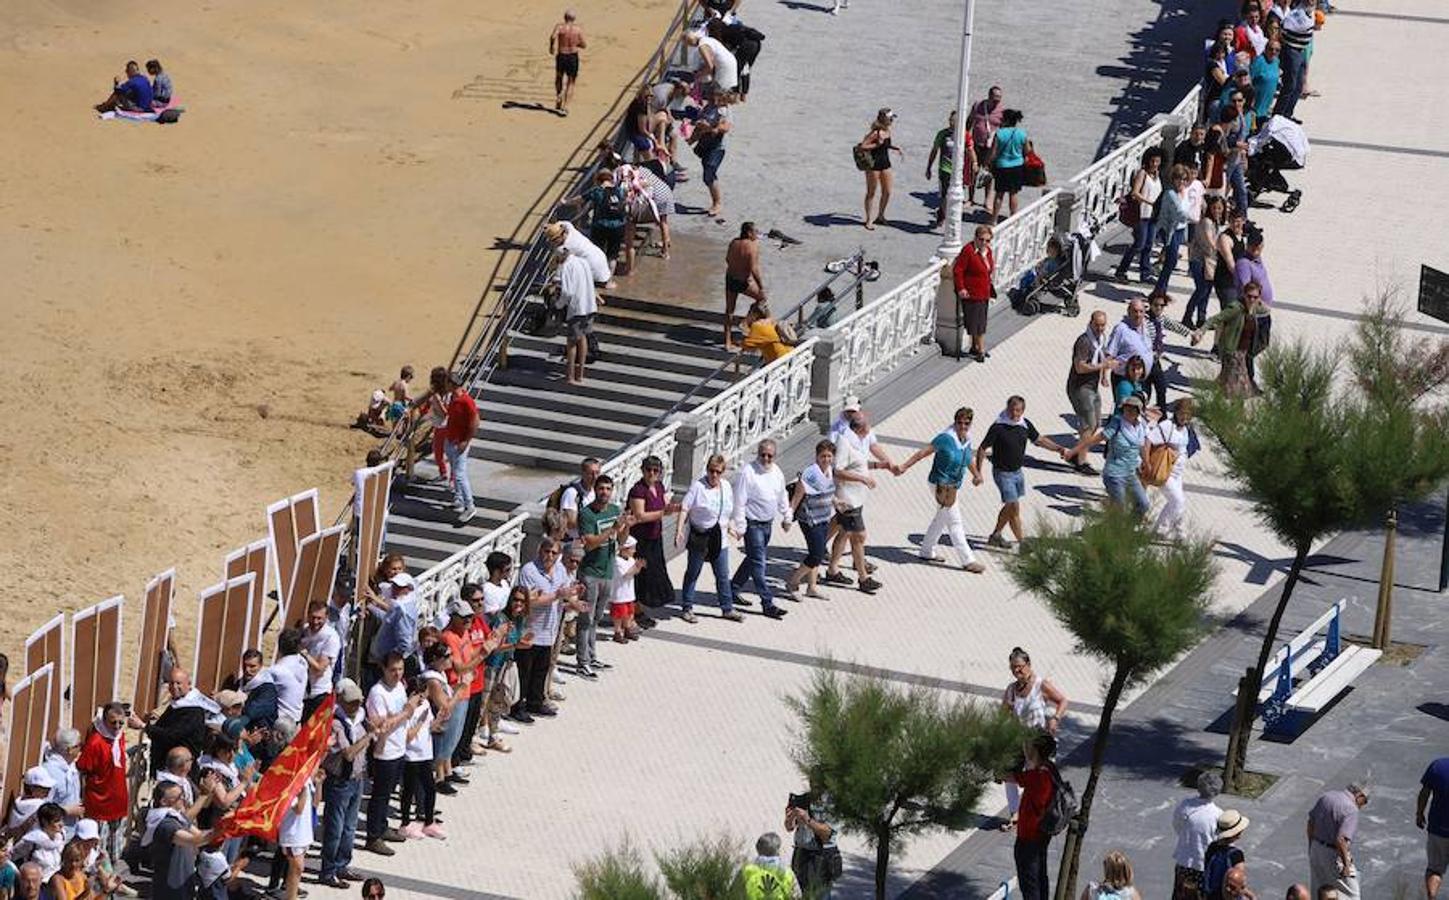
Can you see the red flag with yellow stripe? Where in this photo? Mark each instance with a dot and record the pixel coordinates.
(261, 811)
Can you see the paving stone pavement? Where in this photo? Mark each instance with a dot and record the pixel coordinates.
(688, 733)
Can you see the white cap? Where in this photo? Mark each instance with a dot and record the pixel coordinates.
(630, 541)
(87, 830)
(402, 580)
(37, 776)
(852, 404)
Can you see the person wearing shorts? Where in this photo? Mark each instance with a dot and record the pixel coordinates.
(1006, 442)
(813, 505)
(1432, 815)
(972, 274)
(576, 288)
(852, 485)
(565, 42)
(708, 138)
(1090, 365)
(742, 276)
(1008, 162)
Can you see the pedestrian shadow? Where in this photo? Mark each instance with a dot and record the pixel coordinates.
(828, 220)
(1070, 499)
(1103, 288)
(929, 199)
(534, 106)
(799, 6)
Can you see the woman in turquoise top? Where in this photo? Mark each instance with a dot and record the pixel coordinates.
(1134, 384)
(1008, 162)
(1125, 435)
(950, 453)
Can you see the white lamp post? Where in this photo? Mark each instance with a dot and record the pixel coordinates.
(955, 199)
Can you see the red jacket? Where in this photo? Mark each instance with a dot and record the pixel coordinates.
(972, 273)
(1036, 795)
(104, 792)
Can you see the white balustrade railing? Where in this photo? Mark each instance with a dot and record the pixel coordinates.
(624, 468)
(1020, 241)
(1187, 107)
(443, 582)
(767, 404)
(887, 330)
(1100, 185)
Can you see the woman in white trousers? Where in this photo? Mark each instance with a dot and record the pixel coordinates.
(1175, 431)
(952, 457)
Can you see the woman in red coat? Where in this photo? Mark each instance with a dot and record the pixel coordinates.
(972, 273)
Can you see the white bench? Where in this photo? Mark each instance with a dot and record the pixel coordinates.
(1288, 700)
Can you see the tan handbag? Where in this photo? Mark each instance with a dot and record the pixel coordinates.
(1157, 465)
(945, 495)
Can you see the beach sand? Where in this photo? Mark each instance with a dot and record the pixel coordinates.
(196, 313)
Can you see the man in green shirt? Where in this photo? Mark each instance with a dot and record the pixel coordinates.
(943, 153)
(601, 526)
(767, 878)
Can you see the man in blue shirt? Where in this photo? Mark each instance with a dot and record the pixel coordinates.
(1435, 784)
(134, 93)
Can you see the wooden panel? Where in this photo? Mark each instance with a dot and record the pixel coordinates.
(316, 568)
(376, 487)
(289, 521)
(155, 626)
(18, 738)
(29, 722)
(83, 666)
(211, 613)
(251, 558)
(235, 624)
(95, 640)
(108, 655)
(47, 645)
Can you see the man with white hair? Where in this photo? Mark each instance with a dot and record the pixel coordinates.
(1332, 826)
(580, 301)
(760, 499)
(1196, 822)
(59, 761)
(766, 877)
(565, 235)
(28, 885)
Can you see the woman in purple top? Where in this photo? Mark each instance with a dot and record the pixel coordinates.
(649, 503)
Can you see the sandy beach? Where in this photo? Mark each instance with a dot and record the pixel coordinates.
(197, 312)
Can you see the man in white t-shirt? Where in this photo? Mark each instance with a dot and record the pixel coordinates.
(549, 587)
(388, 710)
(290, 675)
(578, 495)
(321, 645)
(853, 484)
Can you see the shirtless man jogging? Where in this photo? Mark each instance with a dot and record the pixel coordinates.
(565, 43)
(742, 276)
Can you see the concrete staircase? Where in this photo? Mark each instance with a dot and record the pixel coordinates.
(536, 428)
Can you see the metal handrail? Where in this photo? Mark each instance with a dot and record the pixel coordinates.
(859, 272)
(478, 365)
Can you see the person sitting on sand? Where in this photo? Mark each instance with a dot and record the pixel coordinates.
(160, 83)
(132, 94)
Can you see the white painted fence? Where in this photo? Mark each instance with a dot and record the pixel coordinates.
(886, 330)
(1019, 242)
(624, 467)
(767, 404)
(443, 582)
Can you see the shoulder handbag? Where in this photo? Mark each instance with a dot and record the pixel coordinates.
(1262, 332)
(1128, 212)
(1035, 174)
(1157, 464)
(863, 159)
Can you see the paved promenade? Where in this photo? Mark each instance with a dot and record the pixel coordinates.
(688, 735)
(1083, 73)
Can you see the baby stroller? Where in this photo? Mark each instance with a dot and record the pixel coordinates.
(1280, 144)
(1053, 282)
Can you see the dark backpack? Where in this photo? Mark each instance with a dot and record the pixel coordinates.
(1063, 806)
(611, 204)
(1216, 863)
